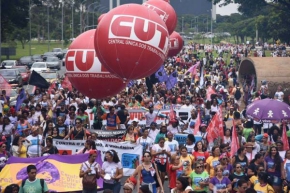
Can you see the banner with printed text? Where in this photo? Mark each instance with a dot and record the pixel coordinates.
(129, 154)
(56, 170)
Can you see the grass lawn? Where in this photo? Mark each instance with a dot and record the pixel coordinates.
(36, 48)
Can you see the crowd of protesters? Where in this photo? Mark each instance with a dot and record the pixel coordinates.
(260, 164)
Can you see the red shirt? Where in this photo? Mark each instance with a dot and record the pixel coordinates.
(200, 155)
(172, 179)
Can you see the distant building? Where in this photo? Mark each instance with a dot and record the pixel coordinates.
(182, 7)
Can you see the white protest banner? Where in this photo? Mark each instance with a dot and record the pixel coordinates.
(128, 153)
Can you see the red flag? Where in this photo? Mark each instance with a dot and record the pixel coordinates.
(66, 84)
(4, 85)
(212, 129)
(172, 115)
(209, 92)
(220, 122)
(197, 124)
(52, 86)
(234, 145)
(285, 138)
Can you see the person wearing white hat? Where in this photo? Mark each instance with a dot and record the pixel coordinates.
(137, 128)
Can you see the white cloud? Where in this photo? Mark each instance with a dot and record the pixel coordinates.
(227, 10)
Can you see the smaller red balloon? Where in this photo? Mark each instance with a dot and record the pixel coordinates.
(165, 11)
(101, 17)
(176, 44)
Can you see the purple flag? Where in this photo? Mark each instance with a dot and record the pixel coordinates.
(172, 80)
(161, 74)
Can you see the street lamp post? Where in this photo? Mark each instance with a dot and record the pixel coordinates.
(88, 23)
(62, 24)
(29, 28)
(48, 36)
(211, 27)
(100, 11)
(196, 23)
(191, 23)
(81, 11)
(182, 24)
(72, 20)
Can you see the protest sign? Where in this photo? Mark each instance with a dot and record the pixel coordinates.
(106, 135)
(129, 154)
(56, 170)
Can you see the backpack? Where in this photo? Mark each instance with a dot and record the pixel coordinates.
(89, 181)
(41, 183)
(238, 94)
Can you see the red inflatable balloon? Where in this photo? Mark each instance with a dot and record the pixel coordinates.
(132, 41)
(85, 71)
(101, 17)
(176, 44)
(165, 11)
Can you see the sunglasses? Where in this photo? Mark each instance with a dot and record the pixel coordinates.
(197, 167)
(78, 122)
(238, 167)
(245, 188)
(225, 158)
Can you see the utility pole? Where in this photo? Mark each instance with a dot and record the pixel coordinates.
(29, 27)
(72, 20)
(62, 24)
(48, 38)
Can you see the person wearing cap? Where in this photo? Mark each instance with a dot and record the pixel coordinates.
(250, 151)
(137, 128)
(129, 185)
(90, 168)
(34, 150)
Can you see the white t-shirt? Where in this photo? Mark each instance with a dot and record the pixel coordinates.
(282, 154)
(111, 169)
(251, 156)
(173, 145)
(173, 130)
(149, 118)
(153, 133)
(34, 149)
(161, 158)
(146, 143)
(190, 148)
(95, 166)
(287, 169)
(8, 129)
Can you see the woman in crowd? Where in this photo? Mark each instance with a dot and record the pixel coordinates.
(224, 162)
(6, 129)
(190, 143)
(212, 161)
(220, 183)
(161, 153)
(112, 171)
(187, 160)
(199, 178)
(162, 133)
(48, 129)
(265, 144)
(89, 145)
(254, 179)
(4, 155)
(78, 132)
(22, 126)
(241, 158)
(202, 132)
(263, 186)
(19, 147)
(149, 173)
(274, 167)
(55, 133)
(287, 166)
(251, 151)
(227, 139)
(175, 170)
(84, 117)
(91, 170)
(182, 185)
(237, 175)
(145, 141)
(200, 151)
(242, 186)
(254, 164)
(49, 149)
(130, 136)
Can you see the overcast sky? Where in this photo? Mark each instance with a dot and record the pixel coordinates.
(227, 10)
